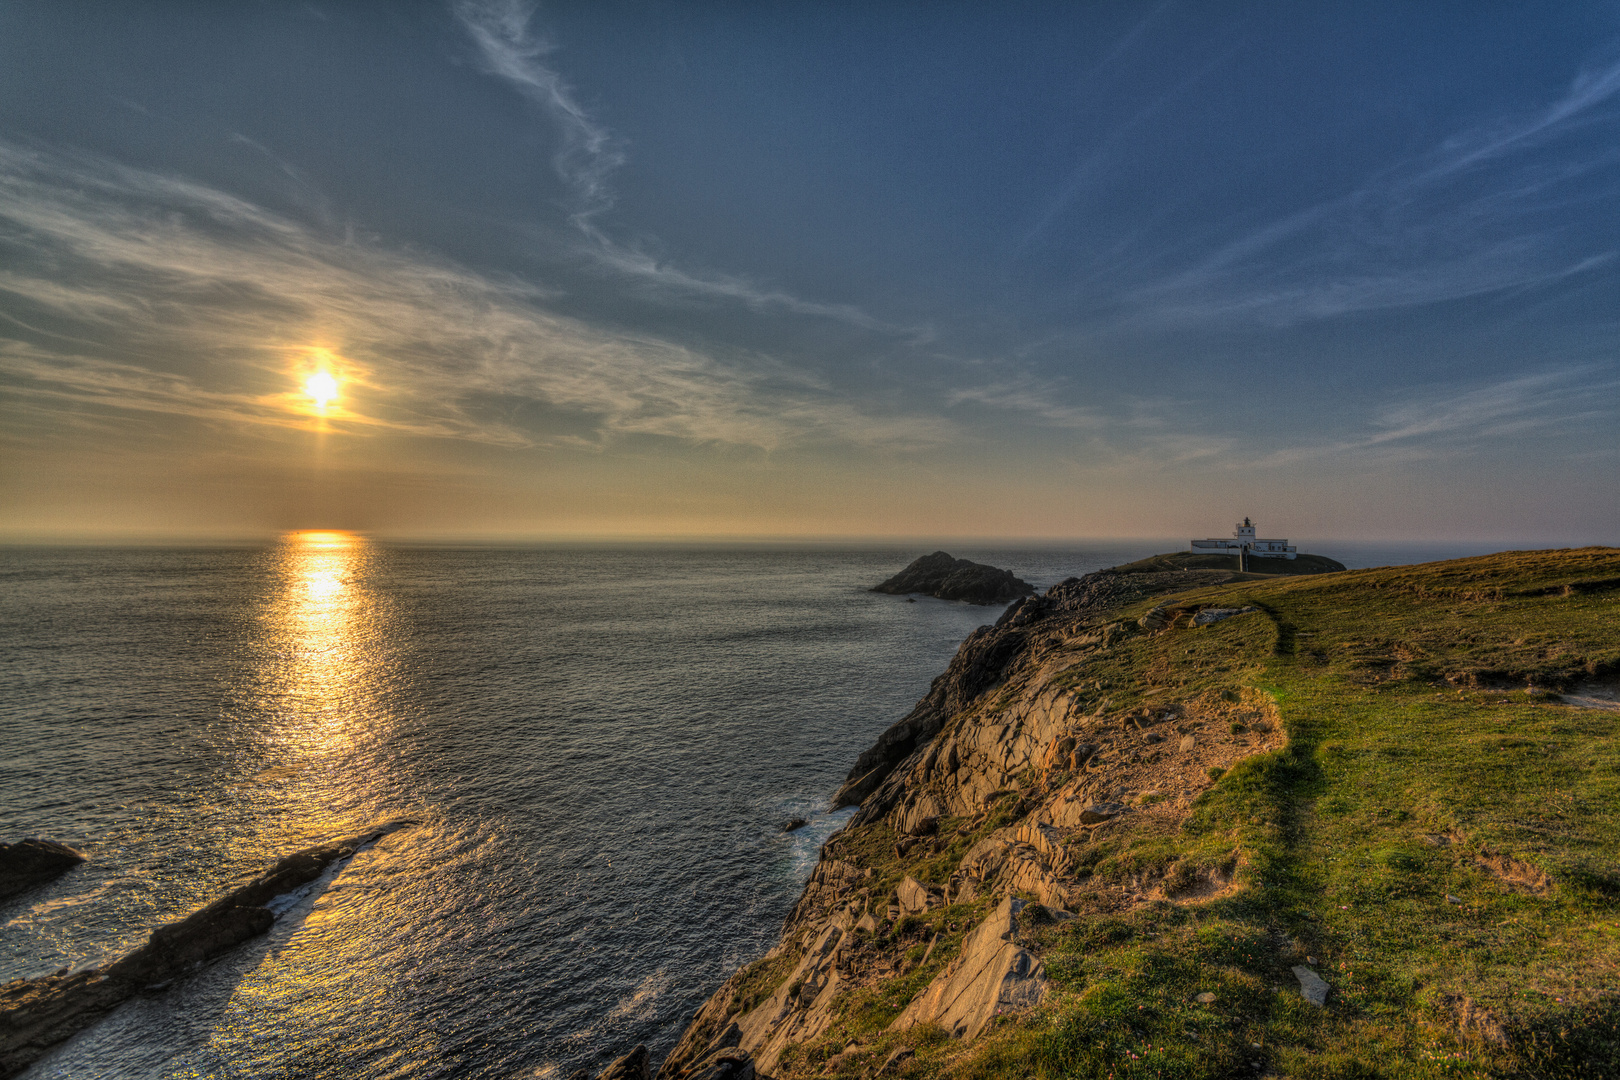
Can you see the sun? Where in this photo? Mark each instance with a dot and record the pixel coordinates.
(322, 388)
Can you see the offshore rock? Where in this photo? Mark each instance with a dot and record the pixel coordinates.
(956, 579)
(993, 975)
(29, 864)
(36, 1014)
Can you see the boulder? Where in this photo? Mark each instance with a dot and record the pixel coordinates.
(29, 864)
(1311, 985)
(921, 818)
(915, 897)
(992, 975)
(730, 1063)
(1215, 615)
(985, 859)
(1156, 619)
(633, 1066)
(1100, 812)
(950, 578)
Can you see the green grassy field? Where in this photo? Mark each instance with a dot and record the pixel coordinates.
(1439, 839)
(1192, 560)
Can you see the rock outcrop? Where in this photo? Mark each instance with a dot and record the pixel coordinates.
(950, 578)
(992, 975)
(29, 864)
(632, 1066)
(991, 653)
(36, 1014)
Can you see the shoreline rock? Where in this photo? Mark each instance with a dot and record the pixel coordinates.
(947, 578)
(28, 864)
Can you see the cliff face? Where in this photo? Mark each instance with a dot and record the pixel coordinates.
(971, 805)
(1092, 850)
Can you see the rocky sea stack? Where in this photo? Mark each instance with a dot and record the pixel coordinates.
(949, 578)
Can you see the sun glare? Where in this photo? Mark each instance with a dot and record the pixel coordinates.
(322, 388)
(324, 539)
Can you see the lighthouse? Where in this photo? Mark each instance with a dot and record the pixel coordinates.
(1244, 543)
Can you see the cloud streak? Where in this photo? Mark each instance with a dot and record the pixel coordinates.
(128, 289)
(1475, 215)
(1542, 403)
(589, 154)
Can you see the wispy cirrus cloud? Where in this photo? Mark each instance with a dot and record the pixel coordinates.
(1145, 434)
(587, 156)
(1043, 402)
(1444, 420)
(128, 289)
(588, 153)
(1485, 211)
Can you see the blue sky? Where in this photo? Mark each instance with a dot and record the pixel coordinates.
(865, 270)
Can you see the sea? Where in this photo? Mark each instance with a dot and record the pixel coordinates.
(588, 755)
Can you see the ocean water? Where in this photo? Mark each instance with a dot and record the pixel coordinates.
(596, 748)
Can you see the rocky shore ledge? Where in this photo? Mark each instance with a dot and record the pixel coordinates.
(37, 1014)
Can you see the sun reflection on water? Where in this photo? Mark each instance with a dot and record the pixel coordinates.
(326, 684)
(327, 668)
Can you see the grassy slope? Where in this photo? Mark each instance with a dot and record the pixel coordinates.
(1192, 560)
(1423, 740)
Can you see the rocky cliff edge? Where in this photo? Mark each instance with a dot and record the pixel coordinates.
(976, 810)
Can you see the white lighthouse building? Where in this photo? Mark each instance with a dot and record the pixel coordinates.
(1243, 541)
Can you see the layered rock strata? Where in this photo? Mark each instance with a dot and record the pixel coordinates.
(37, 1014)
(1024, 771)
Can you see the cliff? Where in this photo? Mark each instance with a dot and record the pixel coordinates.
(1192, 823)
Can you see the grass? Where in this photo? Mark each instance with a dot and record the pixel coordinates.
(1258, 565)
(1440, 833)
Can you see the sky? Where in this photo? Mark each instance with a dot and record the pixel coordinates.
(810, 270)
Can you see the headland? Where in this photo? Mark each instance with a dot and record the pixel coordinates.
(1189, 822)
